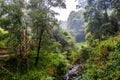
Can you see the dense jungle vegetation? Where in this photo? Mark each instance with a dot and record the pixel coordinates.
(34, 47)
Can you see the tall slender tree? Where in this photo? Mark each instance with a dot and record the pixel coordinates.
(42, 18)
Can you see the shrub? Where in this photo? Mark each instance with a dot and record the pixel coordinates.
(85, 53)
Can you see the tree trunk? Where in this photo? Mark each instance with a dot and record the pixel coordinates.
(39, 46)
(106, 13)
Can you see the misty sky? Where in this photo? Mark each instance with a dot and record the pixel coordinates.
(64, 13)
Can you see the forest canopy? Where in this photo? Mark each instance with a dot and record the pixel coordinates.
(33, 46)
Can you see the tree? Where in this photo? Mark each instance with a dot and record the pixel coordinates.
(115, 4)
(11, 21)
(42, 18)
(16, 25)
(96, 16)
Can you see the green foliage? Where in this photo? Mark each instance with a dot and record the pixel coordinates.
(31, 75)
(16, 19)
(118, 45)
(115, 4)
(115, 18)
(82, 44)
(56, 47)
(3, 37)
(85, 53)
(100, 22)
(65, 39)
(107, 30)
(51, 66)
(103, 63)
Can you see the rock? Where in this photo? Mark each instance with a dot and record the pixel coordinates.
(73, 72)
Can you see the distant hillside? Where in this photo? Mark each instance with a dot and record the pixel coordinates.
(63, 24)
(76, 25)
